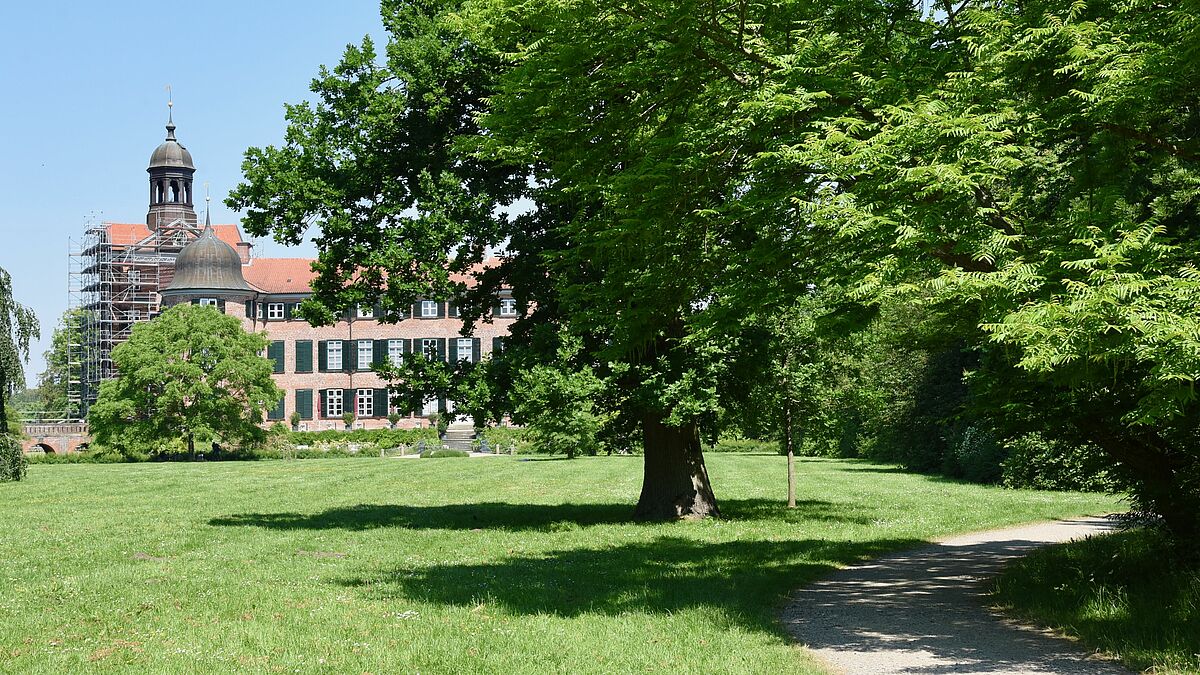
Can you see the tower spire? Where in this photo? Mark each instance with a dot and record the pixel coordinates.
(207, 208)
(170, 116)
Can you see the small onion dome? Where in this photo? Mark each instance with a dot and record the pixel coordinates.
(170, 153)
(207, 264)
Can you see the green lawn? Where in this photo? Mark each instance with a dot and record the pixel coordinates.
(443, 566)
(1125, 594)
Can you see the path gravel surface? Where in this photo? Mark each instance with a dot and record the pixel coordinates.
(922, 611)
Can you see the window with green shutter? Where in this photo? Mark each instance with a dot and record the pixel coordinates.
(277, 412)
(304, 403)
(304, 356)
(275, 353)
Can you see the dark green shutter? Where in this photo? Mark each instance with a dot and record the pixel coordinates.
(220, 305)
(453, 349)
(416, 309)
(381, 403)
(249, 309)
(496, 307)
(287, 310)
(452, 309)
(441, 310)
(304, 360)
(348, 363)
(323, 408)
(275, 353)
(277, 412)
(304, 403)
(348, 403)
(323, 360)
(475, 350)
(497, 344)
(441, 344)
(195, 301)
(381, 353)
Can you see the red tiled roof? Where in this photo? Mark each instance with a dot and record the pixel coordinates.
(132, 233)
(280, 275)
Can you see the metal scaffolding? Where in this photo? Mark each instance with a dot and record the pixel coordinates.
(113, 284)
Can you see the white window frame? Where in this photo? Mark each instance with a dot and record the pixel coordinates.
(331, 400)
(470, 347)
(429, 309)
(208, 302)
(275, 310)
(331, 353)
(295, 309)
(369, 345)
(364, 403)
(432, 344)
(259, 309)
(430, 407)
(508, 307)
(365, 312)
(395, 352)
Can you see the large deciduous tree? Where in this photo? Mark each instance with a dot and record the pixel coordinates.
(190, 374)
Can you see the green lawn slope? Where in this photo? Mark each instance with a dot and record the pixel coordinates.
(467, 566)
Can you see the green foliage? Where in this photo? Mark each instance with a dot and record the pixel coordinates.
(1128, 594)
(18, 326)
(445, 452)
(729, 444)
(12, 458)
(505, 438)
(1035, 461)
(52, 382)
(190, 375)
(557, 404)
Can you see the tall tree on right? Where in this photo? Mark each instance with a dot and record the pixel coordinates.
(1044, 187)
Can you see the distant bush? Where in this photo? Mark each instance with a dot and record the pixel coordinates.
(93, 455)
(12, 458)
(445, 452)
(975, 455)
(504, 438)
(1035, 461)
(743, 445)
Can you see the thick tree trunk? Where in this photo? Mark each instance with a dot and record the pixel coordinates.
(1156, 471)
(191, 440)
(674, 480)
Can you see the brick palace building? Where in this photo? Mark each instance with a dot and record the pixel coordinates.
(136, 270)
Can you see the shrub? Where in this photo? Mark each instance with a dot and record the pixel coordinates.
(445, 452)
(1035, 461)
(743, 445)
(12, 458)
(975, 455)
(504, 438)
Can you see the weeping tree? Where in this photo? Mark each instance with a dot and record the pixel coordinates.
(18, 326)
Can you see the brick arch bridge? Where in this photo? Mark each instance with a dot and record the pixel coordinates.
(55, 437)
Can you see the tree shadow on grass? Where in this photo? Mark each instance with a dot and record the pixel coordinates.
(515, 517)
(744, 582)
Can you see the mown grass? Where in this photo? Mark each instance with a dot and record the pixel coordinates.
(482, 565)
(1124, 593)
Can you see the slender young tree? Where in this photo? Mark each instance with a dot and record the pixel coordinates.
(18, 326)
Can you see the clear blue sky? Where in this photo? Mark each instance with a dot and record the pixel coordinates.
(84, 104)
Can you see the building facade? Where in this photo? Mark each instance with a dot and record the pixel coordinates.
(325, 371)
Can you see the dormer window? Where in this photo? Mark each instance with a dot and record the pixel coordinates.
(208, 302)
(275, 310)
(508, 307)
(366, 312)
(428, 309)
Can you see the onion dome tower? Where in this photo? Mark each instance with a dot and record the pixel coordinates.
(207, 269)
(171, 172)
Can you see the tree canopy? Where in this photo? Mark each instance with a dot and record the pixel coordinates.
(1027, 174)
(190, 374)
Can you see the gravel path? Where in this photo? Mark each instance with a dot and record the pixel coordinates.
(922, 611)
